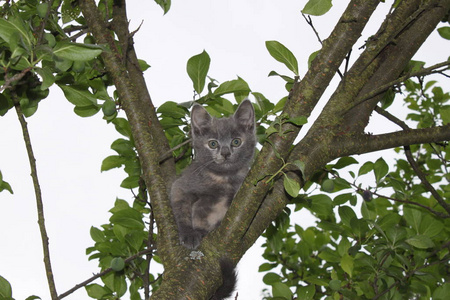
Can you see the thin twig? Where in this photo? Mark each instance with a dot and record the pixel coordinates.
(413, 163)
(39, 202)
(424, 180)
(103, 273)
(16, 77)
(43, 22)
(168, 154)
(310, 23)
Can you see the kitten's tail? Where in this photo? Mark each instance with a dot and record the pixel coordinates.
(228, 280)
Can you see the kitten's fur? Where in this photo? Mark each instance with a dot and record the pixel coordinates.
(200, 198)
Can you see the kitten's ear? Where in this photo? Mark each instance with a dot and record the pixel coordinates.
(245, 115)
(200, 119)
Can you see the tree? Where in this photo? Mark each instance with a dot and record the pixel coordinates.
(38, 52)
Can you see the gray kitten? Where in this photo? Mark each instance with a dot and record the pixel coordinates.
(200, 198)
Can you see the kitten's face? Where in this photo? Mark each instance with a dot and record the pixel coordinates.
(225, 143)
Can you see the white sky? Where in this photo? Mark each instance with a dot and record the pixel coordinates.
(69, 149)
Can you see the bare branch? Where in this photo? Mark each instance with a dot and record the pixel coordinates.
(169, 153)
(310, 23)
(103, 273)
(39, 202)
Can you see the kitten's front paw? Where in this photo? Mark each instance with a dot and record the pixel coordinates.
(190, 240)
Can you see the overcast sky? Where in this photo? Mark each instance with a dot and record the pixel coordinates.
(69, 149)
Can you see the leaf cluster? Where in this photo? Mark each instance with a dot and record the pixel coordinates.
(388, 240)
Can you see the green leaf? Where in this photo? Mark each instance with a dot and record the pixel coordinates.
(344, 162)
(76, 51)
(444, 32)
(413, 217)
(123, 147)
(97, 235)
(7, 29)
(306, 292)
(329, 255)
(284, 77)
(359, 227)
(300, 165)
(86, 111)
(10, 28)
(343, 198)
(111, 162)
(47, 77)
(299, 121)
(266, 267)
(42, 9)
(347, 214)
(165, 5)
(280, 289)
(335, 284)
(233, 86)
(96, 291)
(173, 110)
(311, 57)
(135, 239)
(271, 278)
(117, 264)
(5, 288)
(430, 226)
(380, 169)
(420, 241)
(283, 55)
(4, 185)
(445, 114)
(122, 126)
(347, 264)
(143, 65)
(78, 95)
(365, 168)
(130, 182)
(321, 205)
(197, 69)
(442, 292)
(317, 7)
(291, 186)
(128, 217)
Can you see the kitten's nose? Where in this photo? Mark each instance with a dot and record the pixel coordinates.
(225, 152)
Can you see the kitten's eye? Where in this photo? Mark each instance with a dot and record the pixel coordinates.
(213, 144)
(236, 142)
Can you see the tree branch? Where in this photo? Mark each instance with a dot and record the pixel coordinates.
(9, 81)
(413, 163)
(369, 143)
(424, 180)
(103, 273)
(437, 68)
(39, 202)
(304, 97)
(148, 135)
